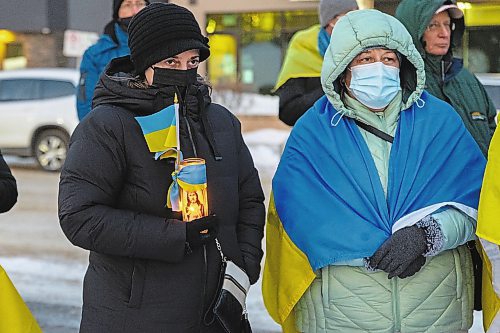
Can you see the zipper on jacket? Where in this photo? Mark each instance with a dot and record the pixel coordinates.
(442, 72)
(395, 305)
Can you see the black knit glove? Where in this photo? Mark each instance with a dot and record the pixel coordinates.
(414, 267)
(400, 251)
(200, 231)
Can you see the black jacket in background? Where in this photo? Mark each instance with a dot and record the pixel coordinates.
(112, 199)
(8, 187)
(297, 96)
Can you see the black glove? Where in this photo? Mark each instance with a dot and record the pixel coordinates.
(400, 251)
(201, 231)
(413, 267)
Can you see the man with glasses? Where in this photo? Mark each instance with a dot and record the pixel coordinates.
(436, 26)
(112, 44)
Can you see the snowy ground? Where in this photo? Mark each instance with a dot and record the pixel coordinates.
(48, 271)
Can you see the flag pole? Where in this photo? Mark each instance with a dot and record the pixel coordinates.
(177, 125)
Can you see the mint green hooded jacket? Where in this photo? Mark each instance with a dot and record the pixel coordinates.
(346, 297)
(446, 78)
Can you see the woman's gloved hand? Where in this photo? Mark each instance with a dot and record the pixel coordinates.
(399, 255)
(414, 267)
(201, 231)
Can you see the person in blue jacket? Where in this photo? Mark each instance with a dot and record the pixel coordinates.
(112, 44)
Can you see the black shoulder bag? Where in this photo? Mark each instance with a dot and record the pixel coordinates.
(229, 305)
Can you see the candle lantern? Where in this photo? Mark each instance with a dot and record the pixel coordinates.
(193, 194)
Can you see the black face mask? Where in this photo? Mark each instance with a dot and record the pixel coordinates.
(164, 77)
(124, 22)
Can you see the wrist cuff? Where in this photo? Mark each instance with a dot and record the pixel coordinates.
(433, 235)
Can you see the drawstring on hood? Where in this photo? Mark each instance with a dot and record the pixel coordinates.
(420, 103)
(208, 127)
(335, 123)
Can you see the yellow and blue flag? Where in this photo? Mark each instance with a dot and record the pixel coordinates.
(303, 58)
(488, 232)
(161, 132)
(328, 204)
(15, 317)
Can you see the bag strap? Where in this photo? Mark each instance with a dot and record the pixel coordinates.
(222, 273)
(375, 131)
(222, 256)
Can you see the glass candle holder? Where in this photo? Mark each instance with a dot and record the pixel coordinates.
(194, 203)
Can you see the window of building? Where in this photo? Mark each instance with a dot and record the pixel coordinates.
(247, 49)
(481, 42)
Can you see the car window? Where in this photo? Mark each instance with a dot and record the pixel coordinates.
(19, 89)
(53, 88)
(494, 93)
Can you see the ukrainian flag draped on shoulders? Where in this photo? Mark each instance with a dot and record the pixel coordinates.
(488, 231)
(328, 204)
(15, 317)
(303, 58)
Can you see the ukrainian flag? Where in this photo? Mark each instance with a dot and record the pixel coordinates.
(303, 58)
(328, 204)
(15, 317)
(488, 231)
(160, 131)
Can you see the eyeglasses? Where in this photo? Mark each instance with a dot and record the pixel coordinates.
(437, 26)
(131, 4)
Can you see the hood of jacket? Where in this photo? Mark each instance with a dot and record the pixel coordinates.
(416, 16)
(352, 35)
(120, 87)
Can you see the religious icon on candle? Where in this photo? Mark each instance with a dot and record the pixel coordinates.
(194, 207)
(194, 200)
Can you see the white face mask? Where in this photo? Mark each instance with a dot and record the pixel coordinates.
(375, 85)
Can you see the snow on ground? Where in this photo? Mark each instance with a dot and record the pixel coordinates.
(266, 146)
(248, 104)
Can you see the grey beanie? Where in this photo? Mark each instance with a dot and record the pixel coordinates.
(328, 9)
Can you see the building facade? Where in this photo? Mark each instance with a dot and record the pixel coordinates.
(248, 39)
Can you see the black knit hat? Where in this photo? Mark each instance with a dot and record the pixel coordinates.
(116, 7)
(163, 30)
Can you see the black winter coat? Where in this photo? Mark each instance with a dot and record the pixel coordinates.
(112, 199)
(8, 187)
(298, 95)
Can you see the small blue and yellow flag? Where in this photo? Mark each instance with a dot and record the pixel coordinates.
(161, 132)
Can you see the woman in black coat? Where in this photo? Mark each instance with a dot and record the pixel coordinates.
(148, 270)
(8, 187)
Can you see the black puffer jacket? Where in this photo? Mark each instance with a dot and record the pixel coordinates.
(298, 95)
(8, 187)
(112, 198)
